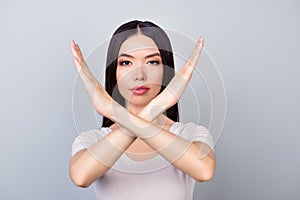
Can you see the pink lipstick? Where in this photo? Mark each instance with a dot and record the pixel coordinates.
(139, 90)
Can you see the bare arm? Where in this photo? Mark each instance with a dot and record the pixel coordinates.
(89, 164)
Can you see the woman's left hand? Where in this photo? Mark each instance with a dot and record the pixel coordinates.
(171, 94)
(101, 100)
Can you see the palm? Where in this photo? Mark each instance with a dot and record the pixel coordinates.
(95, 90)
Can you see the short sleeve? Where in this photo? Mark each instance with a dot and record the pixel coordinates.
(87, 138)
(193, 132)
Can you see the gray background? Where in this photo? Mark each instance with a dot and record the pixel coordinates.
(255, 45)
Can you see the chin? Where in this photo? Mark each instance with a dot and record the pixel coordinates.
(139, 102)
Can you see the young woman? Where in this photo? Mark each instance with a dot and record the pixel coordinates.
(142, 150)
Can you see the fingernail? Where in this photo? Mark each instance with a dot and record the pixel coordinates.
(199, 40)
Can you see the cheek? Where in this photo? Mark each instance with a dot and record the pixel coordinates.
(118, 74)
(122, 79)
(156, 76)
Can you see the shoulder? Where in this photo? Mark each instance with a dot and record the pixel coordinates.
(95, 133)
(87, 138)
(193, 132)
(180, 127)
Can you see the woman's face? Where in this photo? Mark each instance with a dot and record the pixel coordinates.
(139, 70)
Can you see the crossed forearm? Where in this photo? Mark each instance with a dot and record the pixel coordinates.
(190, 158)
(97, 159)
(173, 148)
(109, 149)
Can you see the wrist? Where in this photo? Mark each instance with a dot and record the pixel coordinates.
(152, 110)
(109, 108)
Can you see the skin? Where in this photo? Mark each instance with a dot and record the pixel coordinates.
(139, 128)
(139, 63)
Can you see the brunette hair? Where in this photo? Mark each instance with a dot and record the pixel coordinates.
(161, 40)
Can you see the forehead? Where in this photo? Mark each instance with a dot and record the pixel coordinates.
(136, 43)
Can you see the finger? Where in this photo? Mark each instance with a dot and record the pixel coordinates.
(191, 63)
(77, 60)
(77, 48)
(77, 64)
(72, 43)
(77, 53)
(196, 52)
(74, 50)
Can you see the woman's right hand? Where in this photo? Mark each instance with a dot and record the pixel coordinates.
(101, 100)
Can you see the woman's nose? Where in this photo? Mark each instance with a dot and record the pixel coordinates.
(139, 75)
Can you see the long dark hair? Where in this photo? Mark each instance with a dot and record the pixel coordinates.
(161, 40)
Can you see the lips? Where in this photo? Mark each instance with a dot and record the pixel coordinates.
(139, 90)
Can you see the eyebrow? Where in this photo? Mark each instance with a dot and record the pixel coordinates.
(130, 56)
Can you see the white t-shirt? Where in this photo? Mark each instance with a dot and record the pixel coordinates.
(151, 179)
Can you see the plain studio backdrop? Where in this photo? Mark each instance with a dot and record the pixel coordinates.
(255, 45)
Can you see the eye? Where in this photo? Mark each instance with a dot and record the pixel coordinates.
(125, 63)
(154, 62)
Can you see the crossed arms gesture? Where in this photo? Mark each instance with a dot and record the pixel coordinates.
(195, 159)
